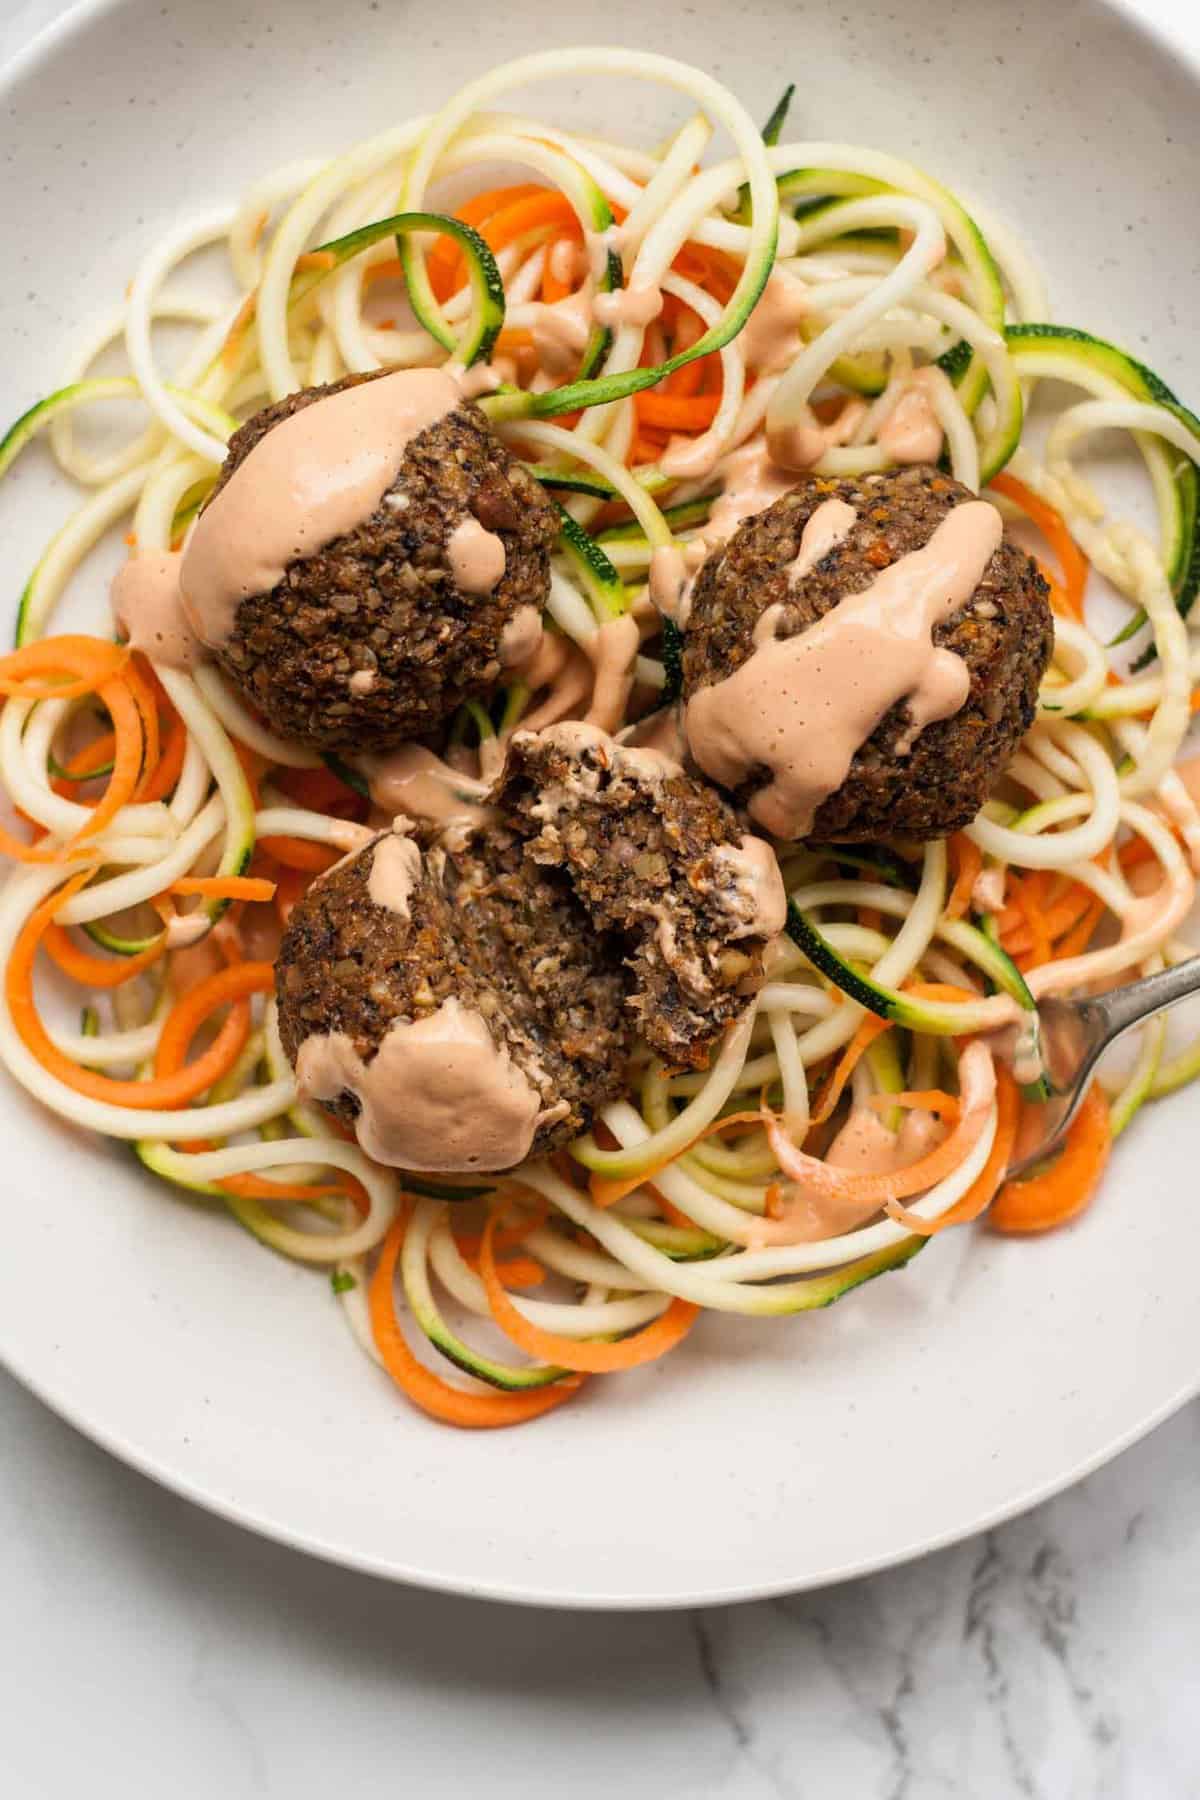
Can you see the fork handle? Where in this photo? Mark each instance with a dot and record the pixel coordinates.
(1128, 1006)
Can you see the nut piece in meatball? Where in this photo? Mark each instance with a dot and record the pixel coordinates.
(659, 859)
(457, 1008)
(438, 559)
(928, 759)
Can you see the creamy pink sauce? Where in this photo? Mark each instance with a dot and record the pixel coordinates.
(561, 668)
(802, 444)
(521, 640)
(311, 479)
(912, 431)
(439, 1095)
(561, 330)
(661, 731)
(476, 556)
(1144, 929)
(1189, 773)
(148, 610)
(801, 707)
(568, 261)
(1153, 916)
(771, 338)
(612, 652)
(186, 929)
(865, 1146)
(987, 893)
(364, 681)
(828, 526)
(751, 483)
(395, 872)
(414, 783)
(636, 305)
(641, 762)
(756, 891)
(484, 378)
(1018, 1045)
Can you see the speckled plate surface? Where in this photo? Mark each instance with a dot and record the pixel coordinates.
(763, 1456)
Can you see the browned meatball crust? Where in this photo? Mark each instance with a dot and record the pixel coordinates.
(484, 927)
(659, 859)
(1004, 633)
(381, 602)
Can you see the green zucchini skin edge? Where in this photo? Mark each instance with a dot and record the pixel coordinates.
(604, 585)
(672, 639)
(1141, 383)
(487, 317)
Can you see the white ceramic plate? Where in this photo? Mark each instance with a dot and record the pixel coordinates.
(763, 1456)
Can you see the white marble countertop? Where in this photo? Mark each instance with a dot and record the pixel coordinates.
(149, 1648)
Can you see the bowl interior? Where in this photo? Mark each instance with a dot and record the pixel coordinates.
(762, 1456)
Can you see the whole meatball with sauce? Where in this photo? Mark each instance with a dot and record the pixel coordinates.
(433, 580)
(928, 759)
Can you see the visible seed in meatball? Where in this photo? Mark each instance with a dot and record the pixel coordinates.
(661, 860)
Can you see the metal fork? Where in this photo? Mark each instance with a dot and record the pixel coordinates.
(1076, 1033)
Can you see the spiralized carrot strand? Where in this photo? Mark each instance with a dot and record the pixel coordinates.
(184, 1020)
(672, 412)
(544, 207)
(507, 1237)
(1053, 527)
(299, 853)
(166, 1092)
(321, 791)
(968, 862)
(292, 885)
(1077, 941)
(126, 716)
(983, 1189)
(138, 679)
(977, 1082)
(438, 1398)
(1063, 1191)
(93, 759)
(586, 1358)
(225, 887)
(121, 785)
(446, 263)
(931, 1100)
(553, 287)
(97, 971)
(831, 1088)
(1027, 896)
(60, 668)
(515, 1272)
(165, 778)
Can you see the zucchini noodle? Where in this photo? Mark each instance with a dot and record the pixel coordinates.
(732, 1188)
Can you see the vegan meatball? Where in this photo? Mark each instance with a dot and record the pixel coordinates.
(906, 779)
(457, 1008)
(660, 860)
(378, 635)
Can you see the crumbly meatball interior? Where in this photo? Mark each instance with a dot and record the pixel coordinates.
(1004, 633)
(648, 851)
(369, 642)
(484, 926)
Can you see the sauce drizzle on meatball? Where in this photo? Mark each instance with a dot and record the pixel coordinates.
(801, 707)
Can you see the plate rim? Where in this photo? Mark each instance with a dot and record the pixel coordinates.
(44, 44)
